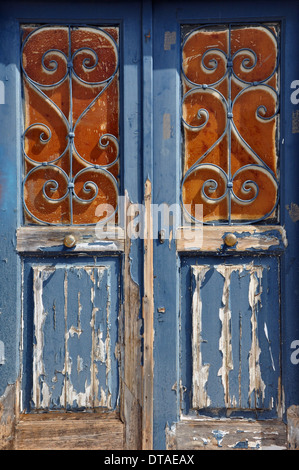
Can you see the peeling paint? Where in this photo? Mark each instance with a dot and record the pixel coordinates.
(40, 275)
(219, 435)
(2, 353)
(257, 385)
(7, 417)
(85, 379)
(270, 349)
(226, 434)
(243, 331)
(225, 345)
(200, 370)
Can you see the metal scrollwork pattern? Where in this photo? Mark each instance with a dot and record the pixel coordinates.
(71, 111)
(230, 108)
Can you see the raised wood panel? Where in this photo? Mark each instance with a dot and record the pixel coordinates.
(88, 239)
(67, 431)
(228, 434)
(235, 336)
(251, 238)
(71, 336)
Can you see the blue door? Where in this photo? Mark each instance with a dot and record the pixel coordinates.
(225, 278)
(149, 219)
(70, 165)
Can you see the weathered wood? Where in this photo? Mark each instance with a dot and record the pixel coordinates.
(7, 417)
(131, 376)
(67, 431)
(148, 319)
(249, 238)
(293, 427)
(235, 340)
(51, 239)
(227, 434)
(75, 337)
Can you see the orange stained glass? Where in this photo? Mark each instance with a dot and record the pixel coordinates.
(71, 122)
(230, 107)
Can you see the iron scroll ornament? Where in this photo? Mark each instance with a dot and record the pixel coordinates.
(52, 59)
(210, 61)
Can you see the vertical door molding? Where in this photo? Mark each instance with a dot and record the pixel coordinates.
(148, 279)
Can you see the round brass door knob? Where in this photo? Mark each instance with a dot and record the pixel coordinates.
(69, 241)
(230, 239)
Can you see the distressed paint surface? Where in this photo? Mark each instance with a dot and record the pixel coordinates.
(75, 337)
(253, 238)
(234, 337)
(226, 434)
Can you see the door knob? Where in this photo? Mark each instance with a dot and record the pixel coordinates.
(230, 239)
(69, 241)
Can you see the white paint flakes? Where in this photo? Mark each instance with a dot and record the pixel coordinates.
(92, 393)
(256, 387)
(256, 383)
(200, 370)
(225, 341)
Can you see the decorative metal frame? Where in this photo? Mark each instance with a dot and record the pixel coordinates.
(89, 62)
(247, 63)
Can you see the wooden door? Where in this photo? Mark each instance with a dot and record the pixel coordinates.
(181, 332)
(224, 146)
(73, 150)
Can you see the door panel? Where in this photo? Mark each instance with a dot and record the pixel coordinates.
(231, 331)
(73, 317)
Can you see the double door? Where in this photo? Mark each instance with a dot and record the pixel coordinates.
(148, 182)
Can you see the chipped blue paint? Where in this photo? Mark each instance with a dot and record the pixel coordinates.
(93, 247)
(242, 445)
(10, 266)
(219, 435)
(240, 334)
(278, 245)
(74, 348)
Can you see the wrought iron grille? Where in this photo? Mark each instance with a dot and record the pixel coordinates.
(226, 70)
(64, 68)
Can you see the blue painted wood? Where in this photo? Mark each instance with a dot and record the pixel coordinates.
(283, 270)
(244, 340)
(127, 15)
(10, 266)
(147, 90)
(290, 194)
(74, 347)
(166, 176)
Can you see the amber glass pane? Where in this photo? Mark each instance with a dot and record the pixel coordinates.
(71, 122)
(230, 105)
